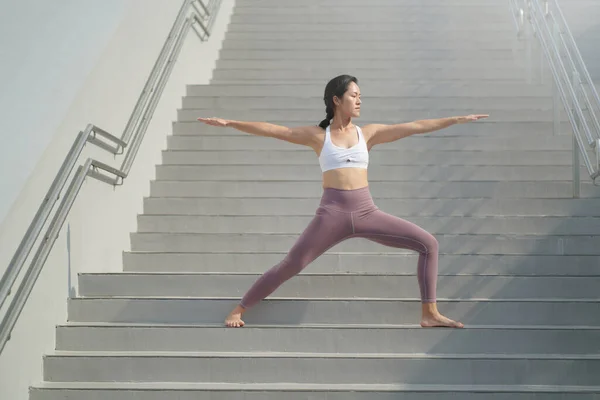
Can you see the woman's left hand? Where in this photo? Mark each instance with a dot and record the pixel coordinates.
(470, 118)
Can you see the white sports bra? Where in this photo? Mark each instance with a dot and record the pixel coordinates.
(333, 157)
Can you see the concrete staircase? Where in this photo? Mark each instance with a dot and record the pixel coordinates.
(519, 261)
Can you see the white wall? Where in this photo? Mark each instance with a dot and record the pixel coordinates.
(70, 64)
(47, 51)
(583, 18)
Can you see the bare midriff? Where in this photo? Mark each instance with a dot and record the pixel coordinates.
(345, 178)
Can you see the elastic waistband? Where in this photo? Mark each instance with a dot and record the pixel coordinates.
(347, 200)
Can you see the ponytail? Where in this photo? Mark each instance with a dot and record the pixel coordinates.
(327, 121)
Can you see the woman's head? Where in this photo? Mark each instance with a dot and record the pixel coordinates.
(342, 95)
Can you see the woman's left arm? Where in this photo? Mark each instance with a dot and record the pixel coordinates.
(379, 133)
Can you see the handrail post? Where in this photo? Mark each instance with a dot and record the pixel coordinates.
(555, 94)
(576, 161)
(597, 158)
(576, 166)
(521, 19)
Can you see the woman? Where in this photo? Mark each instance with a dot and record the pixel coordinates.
(347, 209)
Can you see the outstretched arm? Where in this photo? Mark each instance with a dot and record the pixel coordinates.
(378, 133)
(304, 135)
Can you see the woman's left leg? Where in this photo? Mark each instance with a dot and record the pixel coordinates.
(392, 231)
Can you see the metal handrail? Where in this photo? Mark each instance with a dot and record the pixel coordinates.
(518, 15)
(570, 79)
(189, 16)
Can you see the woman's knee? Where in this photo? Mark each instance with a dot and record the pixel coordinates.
(431, 244)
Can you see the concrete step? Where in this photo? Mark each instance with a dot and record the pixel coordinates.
(379, 189)
(523, 80)
(370, 35)
(381, 88)
(285, 77)
(367, 114)
(318, 368)
(449, 243)
(382, 157)
(329, 311)
(365, 57)
(245, 77)
(320, 339)
(390, 45)
(323, 286)
(426, 74)
(382, 263)
(497, 129)
(277, 391)
(315, 103)
(305, 173)
(417, 143)
(350, 4)
(372, 15)
(375, 16)
(402, 207)
(377, 57)
(294, 8)
(326, 16)
(292, 224)
(391, 26)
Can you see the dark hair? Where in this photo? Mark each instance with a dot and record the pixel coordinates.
(336, 87)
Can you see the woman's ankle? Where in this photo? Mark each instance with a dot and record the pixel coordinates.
(429, 308)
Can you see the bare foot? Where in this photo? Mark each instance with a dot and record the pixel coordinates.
(439, 320)
(234, 319)
(431, 318)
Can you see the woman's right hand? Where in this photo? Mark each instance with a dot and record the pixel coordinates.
(215, 121)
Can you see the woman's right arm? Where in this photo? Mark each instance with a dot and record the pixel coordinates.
(304, 135)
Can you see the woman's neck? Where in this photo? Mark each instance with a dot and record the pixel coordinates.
(341, 123)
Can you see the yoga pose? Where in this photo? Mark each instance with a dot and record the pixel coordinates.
(347, 209)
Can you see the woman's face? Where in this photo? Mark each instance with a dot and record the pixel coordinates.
(349, 104)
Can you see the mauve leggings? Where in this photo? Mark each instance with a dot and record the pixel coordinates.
(344, 214)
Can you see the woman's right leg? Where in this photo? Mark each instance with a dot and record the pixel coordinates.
(327, 228)
(392, 231)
